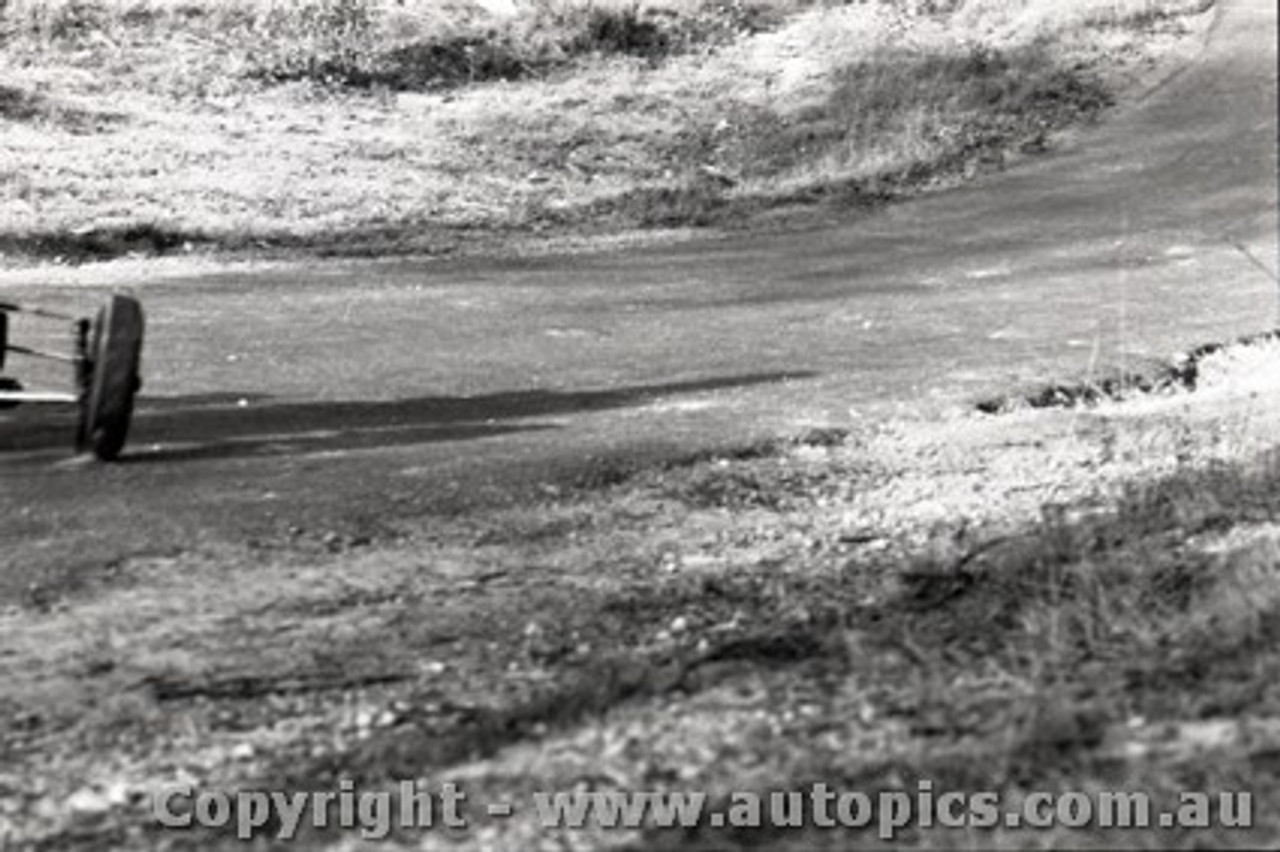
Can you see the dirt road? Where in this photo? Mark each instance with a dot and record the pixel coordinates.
(333, 399)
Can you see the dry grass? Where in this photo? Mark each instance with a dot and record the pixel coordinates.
(148, 125)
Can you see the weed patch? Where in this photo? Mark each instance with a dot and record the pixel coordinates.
(1181, 373)
(105, 242)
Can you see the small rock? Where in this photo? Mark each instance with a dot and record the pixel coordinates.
(714, 174)
(242, 751)
(45, 809)
(118, 794)
(679, 624)
(87, 802)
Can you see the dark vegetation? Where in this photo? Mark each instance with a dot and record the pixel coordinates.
(339, 44)
(1180, 374)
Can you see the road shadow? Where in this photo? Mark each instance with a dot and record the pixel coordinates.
(229, 425)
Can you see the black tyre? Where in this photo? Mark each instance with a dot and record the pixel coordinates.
(106, 401)
(9, 384)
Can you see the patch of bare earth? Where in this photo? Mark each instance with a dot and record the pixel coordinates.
(1046, 599)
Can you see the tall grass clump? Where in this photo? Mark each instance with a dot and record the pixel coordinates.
(1121, 586)
(335, 41)
(903, 111)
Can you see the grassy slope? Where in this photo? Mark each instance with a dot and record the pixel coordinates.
(362, 126)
